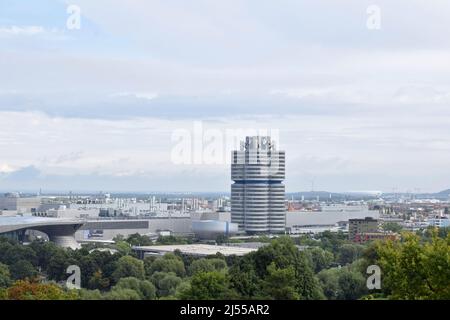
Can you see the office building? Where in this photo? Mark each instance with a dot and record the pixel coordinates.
(363, 230)
(357, 227)
(258, 192)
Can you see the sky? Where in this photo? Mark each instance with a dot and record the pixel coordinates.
(106, 106)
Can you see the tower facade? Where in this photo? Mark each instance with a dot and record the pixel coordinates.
(258, 192)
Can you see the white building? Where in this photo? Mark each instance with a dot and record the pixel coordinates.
(258, 194)
(439, 222)
(328, 219)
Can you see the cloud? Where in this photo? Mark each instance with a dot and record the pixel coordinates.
(6, 168)
(21, 31)
(90, 153)
(138, 95)
(30, 34)
(422, 95)
(358, 109)
(23, 175)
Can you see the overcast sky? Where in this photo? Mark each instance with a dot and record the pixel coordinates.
(96, 108)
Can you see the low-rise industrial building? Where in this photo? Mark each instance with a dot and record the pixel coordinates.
(201, 250)
(22, 205)
(107, 229)
(329, 218)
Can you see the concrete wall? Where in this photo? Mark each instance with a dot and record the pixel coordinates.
(211, 215)
(112, 228)
(23, 205)
(303, 218)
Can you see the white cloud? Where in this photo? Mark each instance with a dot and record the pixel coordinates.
(330, 148)
(422, 95)
(334, 94)
(5, 168)
(138, 95)
(21, 31)
(356, 108)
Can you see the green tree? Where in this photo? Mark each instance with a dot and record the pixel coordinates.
(332, 240)
(145, 288)
(207, 265)
(84, 294)
(243, 278)
(347, 253)
(221, 239)
(123, 294)
(128, 266)
(391, 226)
(284, 254)
(18, 252)
(218, 263)
(123, 247)
(352, 285)
(5, 276)
(166, 283)
(3, 294)
(139, 240)
(415, 270)
(329, 280)
(183, 290)
(23, 269)
(279, 284)
(56, 265)
(98, 281)
(168, 263)
(342, 283)
(45, 251)
(169, 240)
(98, 261)
(208, 286)
(320, 258)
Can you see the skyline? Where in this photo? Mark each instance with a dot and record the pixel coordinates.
(95, 108)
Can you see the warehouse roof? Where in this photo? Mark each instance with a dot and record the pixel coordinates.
(196, 249)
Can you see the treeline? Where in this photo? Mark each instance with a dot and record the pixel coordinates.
(327, 267)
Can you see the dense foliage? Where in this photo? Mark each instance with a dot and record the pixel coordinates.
(326, 266)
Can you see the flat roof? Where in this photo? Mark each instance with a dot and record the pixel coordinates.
(13, 223)
(196, 249)
(25, 220)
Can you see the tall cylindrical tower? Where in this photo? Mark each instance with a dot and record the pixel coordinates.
(258, 193)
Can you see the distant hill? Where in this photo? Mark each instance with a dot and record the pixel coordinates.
(444, 192)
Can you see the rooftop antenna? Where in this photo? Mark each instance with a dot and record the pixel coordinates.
(312, 184)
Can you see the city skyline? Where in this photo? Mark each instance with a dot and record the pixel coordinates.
(95, 108)
(225, 157)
